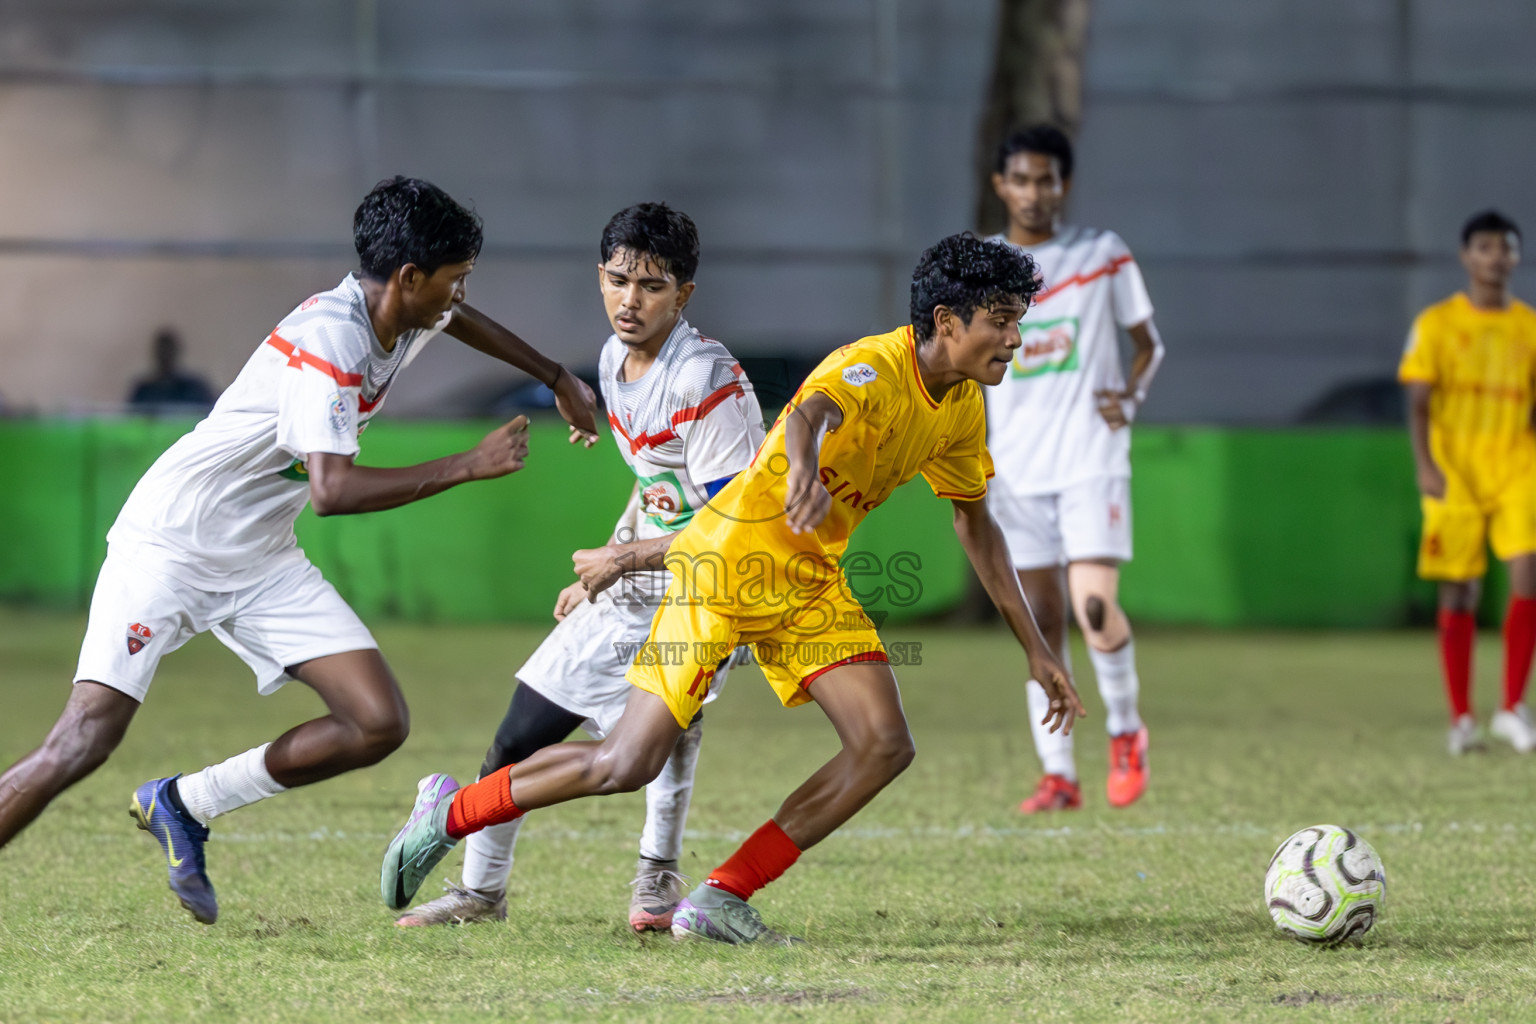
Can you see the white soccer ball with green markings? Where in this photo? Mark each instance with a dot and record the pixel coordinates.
(1325, 885)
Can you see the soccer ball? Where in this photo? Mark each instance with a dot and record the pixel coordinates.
(1325, 885)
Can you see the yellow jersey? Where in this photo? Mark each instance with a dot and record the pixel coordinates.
(892, 430)
(1482, 366)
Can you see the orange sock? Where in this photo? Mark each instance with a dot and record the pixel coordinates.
(487, 802)
(766, 855)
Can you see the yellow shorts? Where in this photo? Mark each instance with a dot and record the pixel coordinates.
(688, 640)
(1458, 530)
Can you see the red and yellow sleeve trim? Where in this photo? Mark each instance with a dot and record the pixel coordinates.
(956, 496)
(953, 496)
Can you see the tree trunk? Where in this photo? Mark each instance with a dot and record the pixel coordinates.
(1037, 78)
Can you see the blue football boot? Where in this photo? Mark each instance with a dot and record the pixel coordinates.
(182, 839)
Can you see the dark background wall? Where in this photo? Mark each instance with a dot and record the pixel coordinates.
(1291, 173)
(198, 163)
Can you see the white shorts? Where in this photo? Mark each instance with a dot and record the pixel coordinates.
(139, 616)
(1091, 519)
(581, 664)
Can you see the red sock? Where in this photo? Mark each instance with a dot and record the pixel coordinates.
(1519, 645)
(1457, 630)
(487, 802)
(765, 855)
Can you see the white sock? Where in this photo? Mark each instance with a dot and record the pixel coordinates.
(488, 856)
(1054, 748)
(1119, 686)
(667, 799)
(221, 788)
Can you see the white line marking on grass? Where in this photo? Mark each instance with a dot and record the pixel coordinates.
(937, 832)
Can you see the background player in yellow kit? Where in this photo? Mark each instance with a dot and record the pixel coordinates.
(1469, 369)
(759, 565)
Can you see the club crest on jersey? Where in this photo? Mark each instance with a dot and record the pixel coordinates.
(339, 419)
(1049, 346)
(662, 500)
(859, 374)
(138, 635)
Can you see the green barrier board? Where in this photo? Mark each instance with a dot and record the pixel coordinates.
(1232, 527)
(488, 551)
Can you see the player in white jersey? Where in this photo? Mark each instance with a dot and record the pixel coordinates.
(686, 421)
(205, 542)
(1059, 432)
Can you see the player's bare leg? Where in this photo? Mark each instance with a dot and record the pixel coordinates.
(626, 759)
(864, 705)
(367, 720)
(1458, 602)
(89, 729)
(1046, 592)
(1095, 588)
(1512, 722)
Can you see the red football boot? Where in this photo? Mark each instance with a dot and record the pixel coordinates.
(1128, 769)
(1055, 793)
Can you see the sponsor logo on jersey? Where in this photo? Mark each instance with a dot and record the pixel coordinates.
(859, 374)
(1049, 346)
(340, 421)
(846, 491)
(138, 635)
(664, 502)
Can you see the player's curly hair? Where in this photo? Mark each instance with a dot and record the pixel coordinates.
(1488, 220)
(656, 230)
(965, 274)
(1044, 139)
(407, 220)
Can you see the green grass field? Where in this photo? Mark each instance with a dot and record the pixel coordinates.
(937, 902)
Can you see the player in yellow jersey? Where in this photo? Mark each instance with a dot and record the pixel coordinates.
(759, 565)
(1470, 367)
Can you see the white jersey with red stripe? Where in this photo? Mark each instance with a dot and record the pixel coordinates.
(216, 511)
(1045, 432)
(686, 426)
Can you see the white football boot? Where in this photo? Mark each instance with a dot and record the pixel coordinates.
(1464, 736)
(1515, 726)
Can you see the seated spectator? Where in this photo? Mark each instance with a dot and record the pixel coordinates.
(170, 386)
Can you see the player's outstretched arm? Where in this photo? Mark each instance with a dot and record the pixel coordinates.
(574, 400)
(1119, 407)
(806, 501)
(338, 486)
(984, 545)
(1430, 478)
